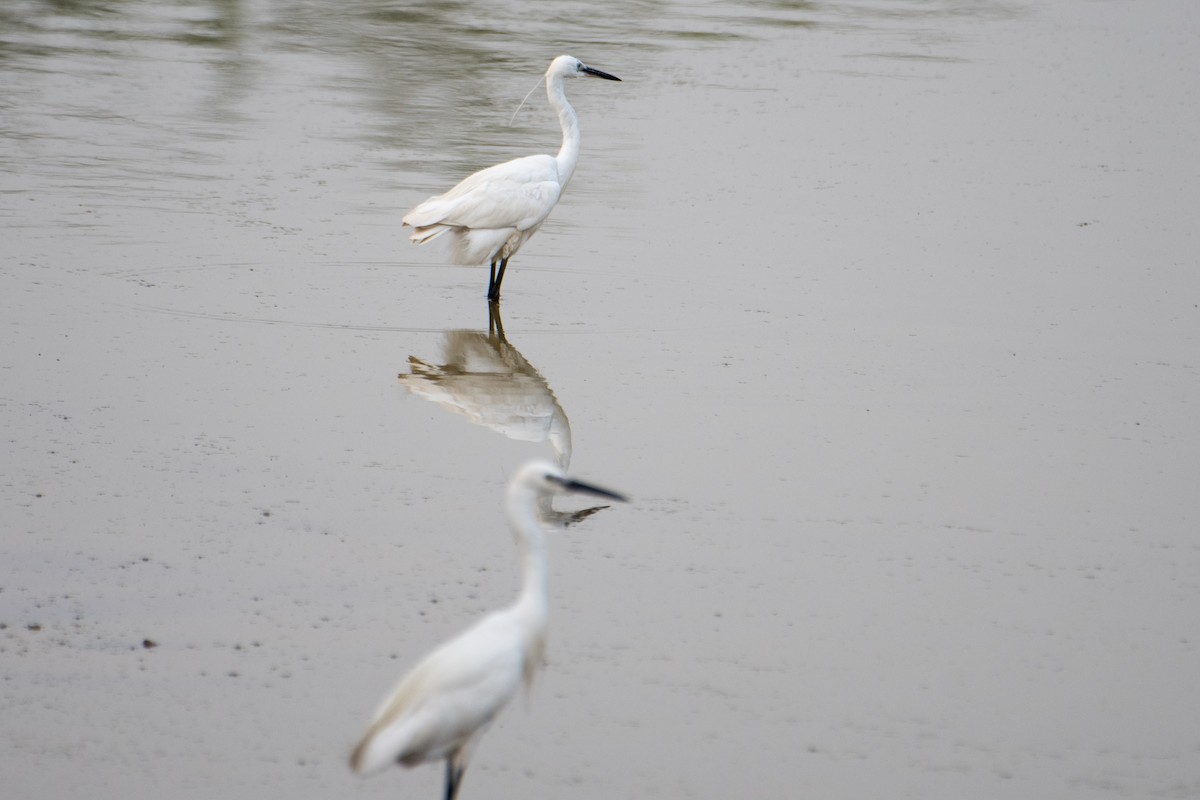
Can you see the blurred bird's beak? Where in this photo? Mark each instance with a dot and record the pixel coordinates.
(599, 74)
(579, 487)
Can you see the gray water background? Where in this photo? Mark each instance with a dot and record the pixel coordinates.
(885, 313)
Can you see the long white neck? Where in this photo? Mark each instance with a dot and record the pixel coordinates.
(568, 154)
(532, 601)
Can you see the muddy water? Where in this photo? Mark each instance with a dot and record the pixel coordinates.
(885, 313)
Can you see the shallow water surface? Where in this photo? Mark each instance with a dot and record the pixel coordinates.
(885, 314)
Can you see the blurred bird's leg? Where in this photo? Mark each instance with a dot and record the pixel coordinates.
(454, 774)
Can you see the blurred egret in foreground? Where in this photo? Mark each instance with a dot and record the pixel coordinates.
(445, 703)
(490, 214)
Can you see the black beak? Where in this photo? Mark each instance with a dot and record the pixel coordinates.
(579, 487)
(599, 74)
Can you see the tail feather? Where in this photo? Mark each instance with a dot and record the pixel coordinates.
(382, 746)
(469, 245)
(429, 232)
(433, 211)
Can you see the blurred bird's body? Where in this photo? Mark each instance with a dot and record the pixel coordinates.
(441, 708)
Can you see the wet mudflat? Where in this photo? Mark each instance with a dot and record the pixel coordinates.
(885, 314)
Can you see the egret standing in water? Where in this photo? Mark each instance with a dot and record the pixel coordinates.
(445, 703)
(492, 213)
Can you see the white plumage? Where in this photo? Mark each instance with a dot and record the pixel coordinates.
(446, 702)
(492, 213)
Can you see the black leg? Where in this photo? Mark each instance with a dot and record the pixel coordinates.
(494, 288)
(454, 776)
(500, 275)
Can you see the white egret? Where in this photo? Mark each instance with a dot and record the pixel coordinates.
(445, 703)
(492, 213)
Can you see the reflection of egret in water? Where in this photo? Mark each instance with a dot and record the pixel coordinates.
(488, 381)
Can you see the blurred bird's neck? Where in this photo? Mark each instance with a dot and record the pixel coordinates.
(532, 599)
(531, 543)
(532, 606)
